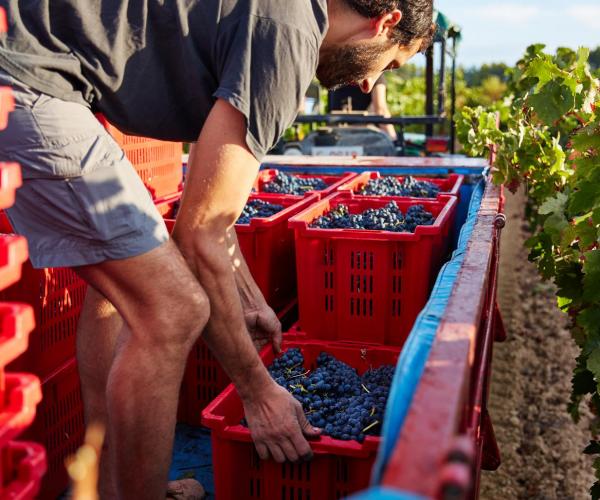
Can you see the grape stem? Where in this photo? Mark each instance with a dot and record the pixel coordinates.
(370, 426)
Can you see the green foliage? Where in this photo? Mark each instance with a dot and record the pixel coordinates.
(475, 77)
(549, 141)
(595, 58)
(405, 96)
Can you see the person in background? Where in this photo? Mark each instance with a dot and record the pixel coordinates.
(351, 98)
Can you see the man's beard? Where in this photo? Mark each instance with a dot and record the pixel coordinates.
(343, 65)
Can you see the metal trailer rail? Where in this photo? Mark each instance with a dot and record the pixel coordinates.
(403, 164)
(446, 436)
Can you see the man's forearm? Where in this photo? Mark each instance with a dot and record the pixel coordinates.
(226, 333)
(249, 292)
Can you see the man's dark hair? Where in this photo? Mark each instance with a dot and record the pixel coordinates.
(416, 22)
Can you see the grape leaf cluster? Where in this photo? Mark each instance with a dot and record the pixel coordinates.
(257, 209)
(549, 142)
(284, 183)
(394, 186)
(387, 218)
(334, 397)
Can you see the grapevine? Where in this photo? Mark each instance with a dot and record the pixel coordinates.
(550, 143)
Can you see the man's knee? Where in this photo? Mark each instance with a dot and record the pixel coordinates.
(185, 315)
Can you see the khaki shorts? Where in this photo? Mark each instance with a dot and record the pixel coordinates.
(82, 201)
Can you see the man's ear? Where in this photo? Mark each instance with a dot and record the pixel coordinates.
(383, 24)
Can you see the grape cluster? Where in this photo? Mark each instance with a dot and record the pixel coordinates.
(290, 184)
(393, 186)
(334, 397)
(388, 218)
(258, 208)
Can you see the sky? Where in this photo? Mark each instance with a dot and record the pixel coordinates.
(499, 31)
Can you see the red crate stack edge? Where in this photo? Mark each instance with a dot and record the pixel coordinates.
(57, 296)
(158, 163)
(22, 464)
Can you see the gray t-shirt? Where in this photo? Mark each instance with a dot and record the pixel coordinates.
(155, 67)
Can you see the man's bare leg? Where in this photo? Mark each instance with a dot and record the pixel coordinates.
(99, 327)
(164, 309)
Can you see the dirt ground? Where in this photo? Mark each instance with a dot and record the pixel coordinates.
(540, 445)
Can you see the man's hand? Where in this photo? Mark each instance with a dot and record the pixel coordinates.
(278, 425)
(264, 326)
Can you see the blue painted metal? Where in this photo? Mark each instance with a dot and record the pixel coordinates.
(384, 494)
(192, 456)
(408, 170)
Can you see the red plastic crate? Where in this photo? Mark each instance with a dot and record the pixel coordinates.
(10, 174)
(338, 469)
(333, 181)
(266, 243)
(268, 248)
(21, 394)
(7, 106)
(450, 184)
(13, 254)
(158, 163)
(437, 144)
(3, 21)
(57, 296)
(203, 381)
(59, 426)
(23, 465)
(16, 323)
(367, 286)
(166, 206)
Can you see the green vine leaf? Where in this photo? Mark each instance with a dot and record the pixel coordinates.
(591, 280)
(556, 205)
(593, 364)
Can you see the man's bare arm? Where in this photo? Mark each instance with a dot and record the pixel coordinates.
(262, 322)
(220, 178)
(380, 107)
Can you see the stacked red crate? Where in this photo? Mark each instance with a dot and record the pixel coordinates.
(158, 163)
(57, 297)
(22, 464)
(367, 286)
(359, 293)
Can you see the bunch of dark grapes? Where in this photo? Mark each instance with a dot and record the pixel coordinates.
(258, 208)
(334, 397)
(290, 184)
(393, 186)
(388, 218)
